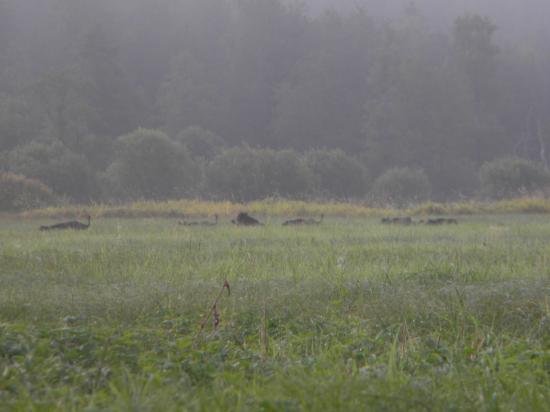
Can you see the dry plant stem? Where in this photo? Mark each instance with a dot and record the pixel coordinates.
(213, 307)
(264, 337)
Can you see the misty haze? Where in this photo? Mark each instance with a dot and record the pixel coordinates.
(274, 205)
(388, 101)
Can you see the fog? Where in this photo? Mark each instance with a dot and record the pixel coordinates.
(246, 99)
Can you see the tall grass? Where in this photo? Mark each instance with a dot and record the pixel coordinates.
(350, 315)
(275, 207)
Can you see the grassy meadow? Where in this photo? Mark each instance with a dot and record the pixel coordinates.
(348, 315)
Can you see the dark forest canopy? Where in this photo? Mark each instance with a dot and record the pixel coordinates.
(381, 84)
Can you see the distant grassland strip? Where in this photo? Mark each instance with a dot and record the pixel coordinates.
(270, 207)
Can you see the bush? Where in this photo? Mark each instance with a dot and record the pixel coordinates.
(245, 174)
(19, 193)
(64, 171)
(235, 175)
(454, 179)
(509, 177)
(200, 143)
(336, 174)
(16, 123)
(148, 165)
(399, 186)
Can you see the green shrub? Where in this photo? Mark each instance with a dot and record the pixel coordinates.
(285, 174)
(16, 123)
(399, 186)
(148, 165)
(200, 143)
(337, 175)
(510, 177)
(245, 174)
(20, 193)
(65, 172)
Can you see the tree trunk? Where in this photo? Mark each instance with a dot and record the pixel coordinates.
(542, 145)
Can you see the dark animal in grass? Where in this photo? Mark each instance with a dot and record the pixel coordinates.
(294, 222)
(73, 224)
(406, 220)
(200, 223)
(301, 221)
(244, 219)
(442, 221)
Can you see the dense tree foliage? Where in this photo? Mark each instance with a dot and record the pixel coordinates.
(246, 174)
(148, 164)
(61, 169)
(322, 95)
(200, 143)
(402, 185)
(337, 174)
(19, 193)
(510, 176)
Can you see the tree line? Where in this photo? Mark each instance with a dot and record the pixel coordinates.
(291, 99)
(149, 164)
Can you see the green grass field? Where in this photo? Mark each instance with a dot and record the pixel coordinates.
(350, 315)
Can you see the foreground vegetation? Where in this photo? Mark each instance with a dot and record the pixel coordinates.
(349, 315)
